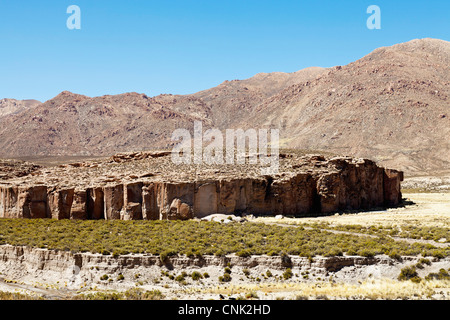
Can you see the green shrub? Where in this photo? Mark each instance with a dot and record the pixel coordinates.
(287, 274)
(425, 261)
(408, 273)
(179, 278)
(190, 254)
(219, 253)
(441, 275)
(116, 253)
(333, 252)
(225, 278)
(163, 256)
(366, 253)
(195, 275)
(438, 254)
(244, 253)
(394, 255)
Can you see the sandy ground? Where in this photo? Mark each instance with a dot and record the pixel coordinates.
(430, 209)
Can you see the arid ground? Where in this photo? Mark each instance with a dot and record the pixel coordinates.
(361, 280)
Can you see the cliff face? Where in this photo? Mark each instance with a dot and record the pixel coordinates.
(61, 266)
(314, 185)
(36, 259)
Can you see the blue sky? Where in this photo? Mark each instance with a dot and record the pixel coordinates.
(184, 46)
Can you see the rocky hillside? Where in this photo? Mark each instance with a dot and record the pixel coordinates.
(13, 106)
(391, 106)
(72, 124)
(234, 100)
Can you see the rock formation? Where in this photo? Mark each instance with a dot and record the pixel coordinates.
(149, 186)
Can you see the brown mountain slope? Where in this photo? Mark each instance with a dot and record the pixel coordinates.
(235, 99)
(13, 106)
(393, 106)
(76, 125)
(72, 124)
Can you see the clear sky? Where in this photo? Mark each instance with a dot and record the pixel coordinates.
(184, 46)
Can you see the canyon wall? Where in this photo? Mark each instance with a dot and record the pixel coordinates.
(19, 262)
(344, 185)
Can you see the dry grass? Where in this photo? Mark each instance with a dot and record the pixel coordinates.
(371, 289)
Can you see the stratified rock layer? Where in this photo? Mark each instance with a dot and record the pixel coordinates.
(149, 186)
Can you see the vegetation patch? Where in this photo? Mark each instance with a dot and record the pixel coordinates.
(167, 238)
(408, 273)
(441, 275)
(406, 230)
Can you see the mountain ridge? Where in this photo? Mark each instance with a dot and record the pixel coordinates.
(392, 105)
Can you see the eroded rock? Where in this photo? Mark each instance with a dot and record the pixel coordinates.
(306, 185)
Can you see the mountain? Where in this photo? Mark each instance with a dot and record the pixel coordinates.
(391, 106)
(235, 99)
(13, 106)
(73, 124)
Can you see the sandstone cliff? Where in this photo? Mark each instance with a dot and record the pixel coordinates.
(119, 188)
